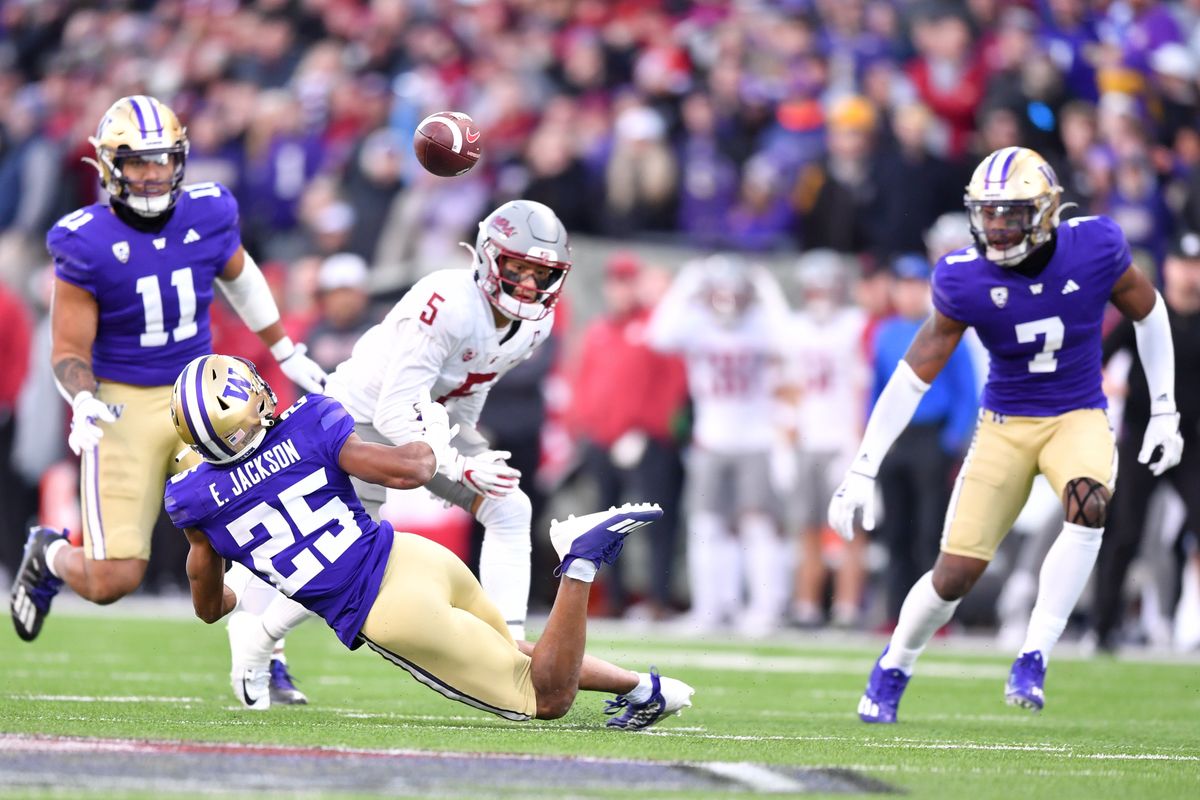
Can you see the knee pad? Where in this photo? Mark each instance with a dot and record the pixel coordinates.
(1086, 502)
(511, 515)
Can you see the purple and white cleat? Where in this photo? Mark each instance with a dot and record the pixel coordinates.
(1026, 682)
(884, 689)
(599, 537)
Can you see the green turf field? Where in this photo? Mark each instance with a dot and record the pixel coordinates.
(1112, 728)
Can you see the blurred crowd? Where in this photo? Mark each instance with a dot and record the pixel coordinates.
(831, 136)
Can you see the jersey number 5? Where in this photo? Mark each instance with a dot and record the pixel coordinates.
(429, 313)
(307, 521)
(1050, 327)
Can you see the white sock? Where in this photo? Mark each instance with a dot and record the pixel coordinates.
(641, 692)
(52, 552)
(767, 567)
(706, 566)
(581, 570)
(281, 616)
(1064, 575)
(505, 559)
(251, 644)
(923, 612)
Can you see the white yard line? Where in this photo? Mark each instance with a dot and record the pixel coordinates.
(84, 698)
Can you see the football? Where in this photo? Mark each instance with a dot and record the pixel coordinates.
(448, 143)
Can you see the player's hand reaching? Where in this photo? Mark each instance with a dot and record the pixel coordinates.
(436, 430)
(857, 491)
(302, 370)
(485, 474)
(86, 415)
(1163, 431)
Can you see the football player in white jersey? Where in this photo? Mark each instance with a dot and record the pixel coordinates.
(729, 323)
(451, 337)
(827, 368)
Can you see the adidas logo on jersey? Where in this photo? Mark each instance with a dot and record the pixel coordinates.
(192, 236)
(1071, 286)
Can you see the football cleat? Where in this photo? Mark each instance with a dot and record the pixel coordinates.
(1025, 682)
(668, 697)
(34, 586)
(252, 688)
(599, 537)
(884, 689)
(283, 691)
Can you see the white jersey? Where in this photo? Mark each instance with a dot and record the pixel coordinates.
(825, 361)
(441, 336)
(732, 373)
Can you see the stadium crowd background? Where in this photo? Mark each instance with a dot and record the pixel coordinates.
(657, 131)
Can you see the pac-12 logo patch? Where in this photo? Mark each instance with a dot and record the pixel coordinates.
(121, 251)
(1000, 296)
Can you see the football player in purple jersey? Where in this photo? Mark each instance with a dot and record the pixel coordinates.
(1035, 290)
(274, 494)
(134, 280)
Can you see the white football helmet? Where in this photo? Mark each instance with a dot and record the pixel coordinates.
(1013, 204)
(529, 231)
(728, 289)
(222, 407)
(141, 127)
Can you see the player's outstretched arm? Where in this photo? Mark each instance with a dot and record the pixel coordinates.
(405, 466)
(211, 598)
(931, 348)
(1136, 298)
(247, 291)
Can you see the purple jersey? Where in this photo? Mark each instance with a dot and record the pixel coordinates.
(1042, 333)
(289, 514)
(153, 289)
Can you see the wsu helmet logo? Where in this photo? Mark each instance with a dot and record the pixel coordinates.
(505, 227)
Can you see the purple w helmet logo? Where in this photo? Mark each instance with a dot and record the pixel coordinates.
(236, 386)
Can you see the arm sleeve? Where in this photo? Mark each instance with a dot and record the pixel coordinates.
(897, 403)
(1157, 354)
(412, 367)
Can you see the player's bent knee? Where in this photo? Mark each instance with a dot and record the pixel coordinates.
(109, 581)
(511, 514)
(953, 576)
(1085, 502)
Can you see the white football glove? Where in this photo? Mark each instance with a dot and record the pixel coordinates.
(1163, 431)
(87, 413)
(857, 491)
(303, 371)
(484, 474)
(436, 430)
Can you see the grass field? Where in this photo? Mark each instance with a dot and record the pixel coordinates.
(1113, 728)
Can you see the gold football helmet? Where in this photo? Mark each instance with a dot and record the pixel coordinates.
(222, 407)
(140, 127)
(1013, 204)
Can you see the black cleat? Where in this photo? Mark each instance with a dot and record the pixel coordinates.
(34, 586)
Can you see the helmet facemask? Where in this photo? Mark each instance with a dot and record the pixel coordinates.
(533, 236)
(1013, 205)
(140, 128)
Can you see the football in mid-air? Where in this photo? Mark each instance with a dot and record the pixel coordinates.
(448, 143)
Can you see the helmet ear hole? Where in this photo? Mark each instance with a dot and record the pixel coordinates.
(221, 402)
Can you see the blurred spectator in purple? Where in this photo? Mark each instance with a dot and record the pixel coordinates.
(1133, 29)
(1173, 84)
(708, 187)
(342, 309)
(849, 43)
(1069, 37)
(948, 74)
(281, 158)
(836, 196)
(271, 51)
(1080, 145)
(1137, 206)
(762, 218)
